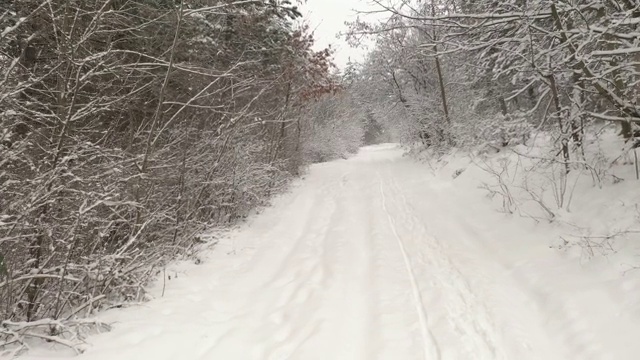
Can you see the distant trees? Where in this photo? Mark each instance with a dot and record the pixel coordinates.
(558, 64)
(126, 127)
(337, 129)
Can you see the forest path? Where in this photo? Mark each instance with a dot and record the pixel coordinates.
(366, 258)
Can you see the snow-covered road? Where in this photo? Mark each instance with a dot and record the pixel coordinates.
(370, 258)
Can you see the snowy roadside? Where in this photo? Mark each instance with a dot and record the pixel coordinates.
(593, 213)
(574, 250)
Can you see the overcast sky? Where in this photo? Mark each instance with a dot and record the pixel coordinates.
(327, 17)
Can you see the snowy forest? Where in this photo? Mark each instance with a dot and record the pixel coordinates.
(462, 72)
(553, 83)
(129, 127)
(126, 127)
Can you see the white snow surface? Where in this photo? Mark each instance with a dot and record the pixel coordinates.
(375, 257)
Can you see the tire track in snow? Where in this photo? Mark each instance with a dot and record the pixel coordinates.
(431, 348)
(524, 334)
(269, 310)
(299, 281)
(336, 257)
(470, 316)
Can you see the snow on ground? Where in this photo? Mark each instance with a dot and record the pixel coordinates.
(377, 257)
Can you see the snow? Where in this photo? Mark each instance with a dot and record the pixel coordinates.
(380, 257)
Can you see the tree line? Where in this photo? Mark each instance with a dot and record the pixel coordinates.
(468, 71)
(129, 126)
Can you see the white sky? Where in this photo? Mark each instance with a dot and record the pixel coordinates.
(327, 17)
